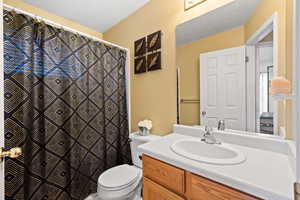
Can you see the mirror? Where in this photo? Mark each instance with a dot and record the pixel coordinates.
(226, 60)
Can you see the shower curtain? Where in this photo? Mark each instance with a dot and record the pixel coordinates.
(65, 105)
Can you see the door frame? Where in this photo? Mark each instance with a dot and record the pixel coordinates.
(270, 25)
(296, 70)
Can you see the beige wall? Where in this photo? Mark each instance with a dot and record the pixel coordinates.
(20, 4)
(189, 62)
(289, 65)
(264, 11)
(154, 93)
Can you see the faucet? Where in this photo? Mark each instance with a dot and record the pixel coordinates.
(221, 125)
(209, 137)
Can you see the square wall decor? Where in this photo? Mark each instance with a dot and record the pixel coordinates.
(188, 4)
(154, 61)
(154, 41)
(140, 47)
(140, 65)
(147, 53)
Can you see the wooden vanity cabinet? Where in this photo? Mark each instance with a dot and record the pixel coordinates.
(162, 181)
(164, 174)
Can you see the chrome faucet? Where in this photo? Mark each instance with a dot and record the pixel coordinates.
(209, 137)
(221, 125)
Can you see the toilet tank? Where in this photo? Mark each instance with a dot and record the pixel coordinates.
(137, 140)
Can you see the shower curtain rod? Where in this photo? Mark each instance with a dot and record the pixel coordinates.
(11, 8)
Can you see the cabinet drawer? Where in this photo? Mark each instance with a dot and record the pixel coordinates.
(153, 191)
(164, 174)
(200, 188)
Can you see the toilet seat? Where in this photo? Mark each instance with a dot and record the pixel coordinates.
(118, 178)
(119, 182)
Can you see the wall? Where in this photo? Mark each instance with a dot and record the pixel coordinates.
(268, 38)
(189, 62)
(154, 93)
(20, 4)
(289, 64)
(265, 10)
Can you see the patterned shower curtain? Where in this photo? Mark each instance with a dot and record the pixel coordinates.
(65, 105)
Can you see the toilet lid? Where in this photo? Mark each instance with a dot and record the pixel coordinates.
(119, 177)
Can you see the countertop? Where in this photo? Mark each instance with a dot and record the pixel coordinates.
(265, 174)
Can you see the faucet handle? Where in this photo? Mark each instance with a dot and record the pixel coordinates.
(208, 130)
(221, 125)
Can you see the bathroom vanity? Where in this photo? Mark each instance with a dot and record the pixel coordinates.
(164, 181)
(267, 172)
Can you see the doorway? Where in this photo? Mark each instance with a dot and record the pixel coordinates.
(262, 66)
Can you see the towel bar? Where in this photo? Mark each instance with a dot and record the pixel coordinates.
(189, 101)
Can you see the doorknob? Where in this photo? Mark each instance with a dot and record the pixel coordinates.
(12, 153)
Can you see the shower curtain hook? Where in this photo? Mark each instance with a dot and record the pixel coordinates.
(43, 22)
(35, 19)
(13, 11)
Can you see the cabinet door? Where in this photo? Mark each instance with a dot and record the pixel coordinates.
(164, 174)
(200, 188)
(153, 191)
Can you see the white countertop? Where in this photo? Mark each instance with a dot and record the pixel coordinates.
(265, 174)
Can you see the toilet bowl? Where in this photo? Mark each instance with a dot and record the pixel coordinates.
(123, 182)
(120, 183)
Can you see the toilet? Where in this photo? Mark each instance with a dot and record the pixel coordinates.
(123, 182)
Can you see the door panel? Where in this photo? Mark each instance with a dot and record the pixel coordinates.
(223, 87)
(231, 100)
(234, 87)
(212, 92)
(210, 98)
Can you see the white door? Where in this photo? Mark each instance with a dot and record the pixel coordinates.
(223, 88)
(1, 102)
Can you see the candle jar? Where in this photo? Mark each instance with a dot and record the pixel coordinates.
(143, 131)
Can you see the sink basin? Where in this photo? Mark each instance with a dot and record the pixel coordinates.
(219, 154)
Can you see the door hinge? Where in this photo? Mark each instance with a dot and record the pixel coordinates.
(247, 59)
